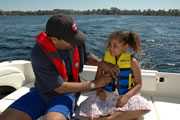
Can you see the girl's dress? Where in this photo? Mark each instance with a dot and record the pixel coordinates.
(93, 107)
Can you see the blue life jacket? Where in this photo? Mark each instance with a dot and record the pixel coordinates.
(124, 80)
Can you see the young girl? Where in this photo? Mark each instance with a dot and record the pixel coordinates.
(120, 98)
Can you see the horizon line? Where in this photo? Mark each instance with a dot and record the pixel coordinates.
(88, 9)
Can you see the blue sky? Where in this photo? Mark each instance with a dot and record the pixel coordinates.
(87, 4)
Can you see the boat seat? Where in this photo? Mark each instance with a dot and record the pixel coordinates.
(8, 100)
(11, 76)
(167, 108)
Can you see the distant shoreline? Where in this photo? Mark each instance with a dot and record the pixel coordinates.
(111, 11)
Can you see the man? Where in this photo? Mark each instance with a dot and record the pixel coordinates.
(57, 58)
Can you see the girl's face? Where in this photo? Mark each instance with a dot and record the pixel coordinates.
(116, 47)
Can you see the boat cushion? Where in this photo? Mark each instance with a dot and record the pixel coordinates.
(11, 76)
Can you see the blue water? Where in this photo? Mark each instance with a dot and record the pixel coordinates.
(160, 37)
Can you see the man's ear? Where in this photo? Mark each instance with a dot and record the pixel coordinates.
(53, 39)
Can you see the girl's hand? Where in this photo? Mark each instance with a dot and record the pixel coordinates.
(101, 94)
(122, 100)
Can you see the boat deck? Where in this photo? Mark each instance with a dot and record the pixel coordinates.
(163, 108)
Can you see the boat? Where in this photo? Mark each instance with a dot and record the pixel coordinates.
(160, 88)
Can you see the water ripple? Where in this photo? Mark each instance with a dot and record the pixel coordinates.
(160, 37)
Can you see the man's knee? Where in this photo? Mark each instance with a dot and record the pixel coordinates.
(55, 116)
(13, 114)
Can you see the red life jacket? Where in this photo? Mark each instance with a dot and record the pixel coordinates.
(50, 50)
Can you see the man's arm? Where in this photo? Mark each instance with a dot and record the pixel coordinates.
(92, 59)
(83, 86)
(73, 87)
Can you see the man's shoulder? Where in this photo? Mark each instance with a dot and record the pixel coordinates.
(36, 51)
(38, 55)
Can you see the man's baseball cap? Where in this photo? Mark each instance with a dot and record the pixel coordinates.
(64, 27)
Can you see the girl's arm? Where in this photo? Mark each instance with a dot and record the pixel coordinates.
(122, 100)
(137, 78)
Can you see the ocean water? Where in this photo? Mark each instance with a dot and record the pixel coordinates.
(160, 37)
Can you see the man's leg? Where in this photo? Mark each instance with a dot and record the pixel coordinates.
(61, 107)
(28, 107)
(55, 116)
(13, 114)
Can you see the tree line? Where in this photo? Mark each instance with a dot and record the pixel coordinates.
(111, 11)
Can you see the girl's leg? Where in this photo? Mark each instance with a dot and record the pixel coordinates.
(127, 115)
(83, 118)
(88, 118)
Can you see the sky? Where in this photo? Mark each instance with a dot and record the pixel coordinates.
(25, 5)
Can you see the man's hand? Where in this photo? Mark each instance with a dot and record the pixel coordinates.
(106, 72)
(108, 68)
(102, 80)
